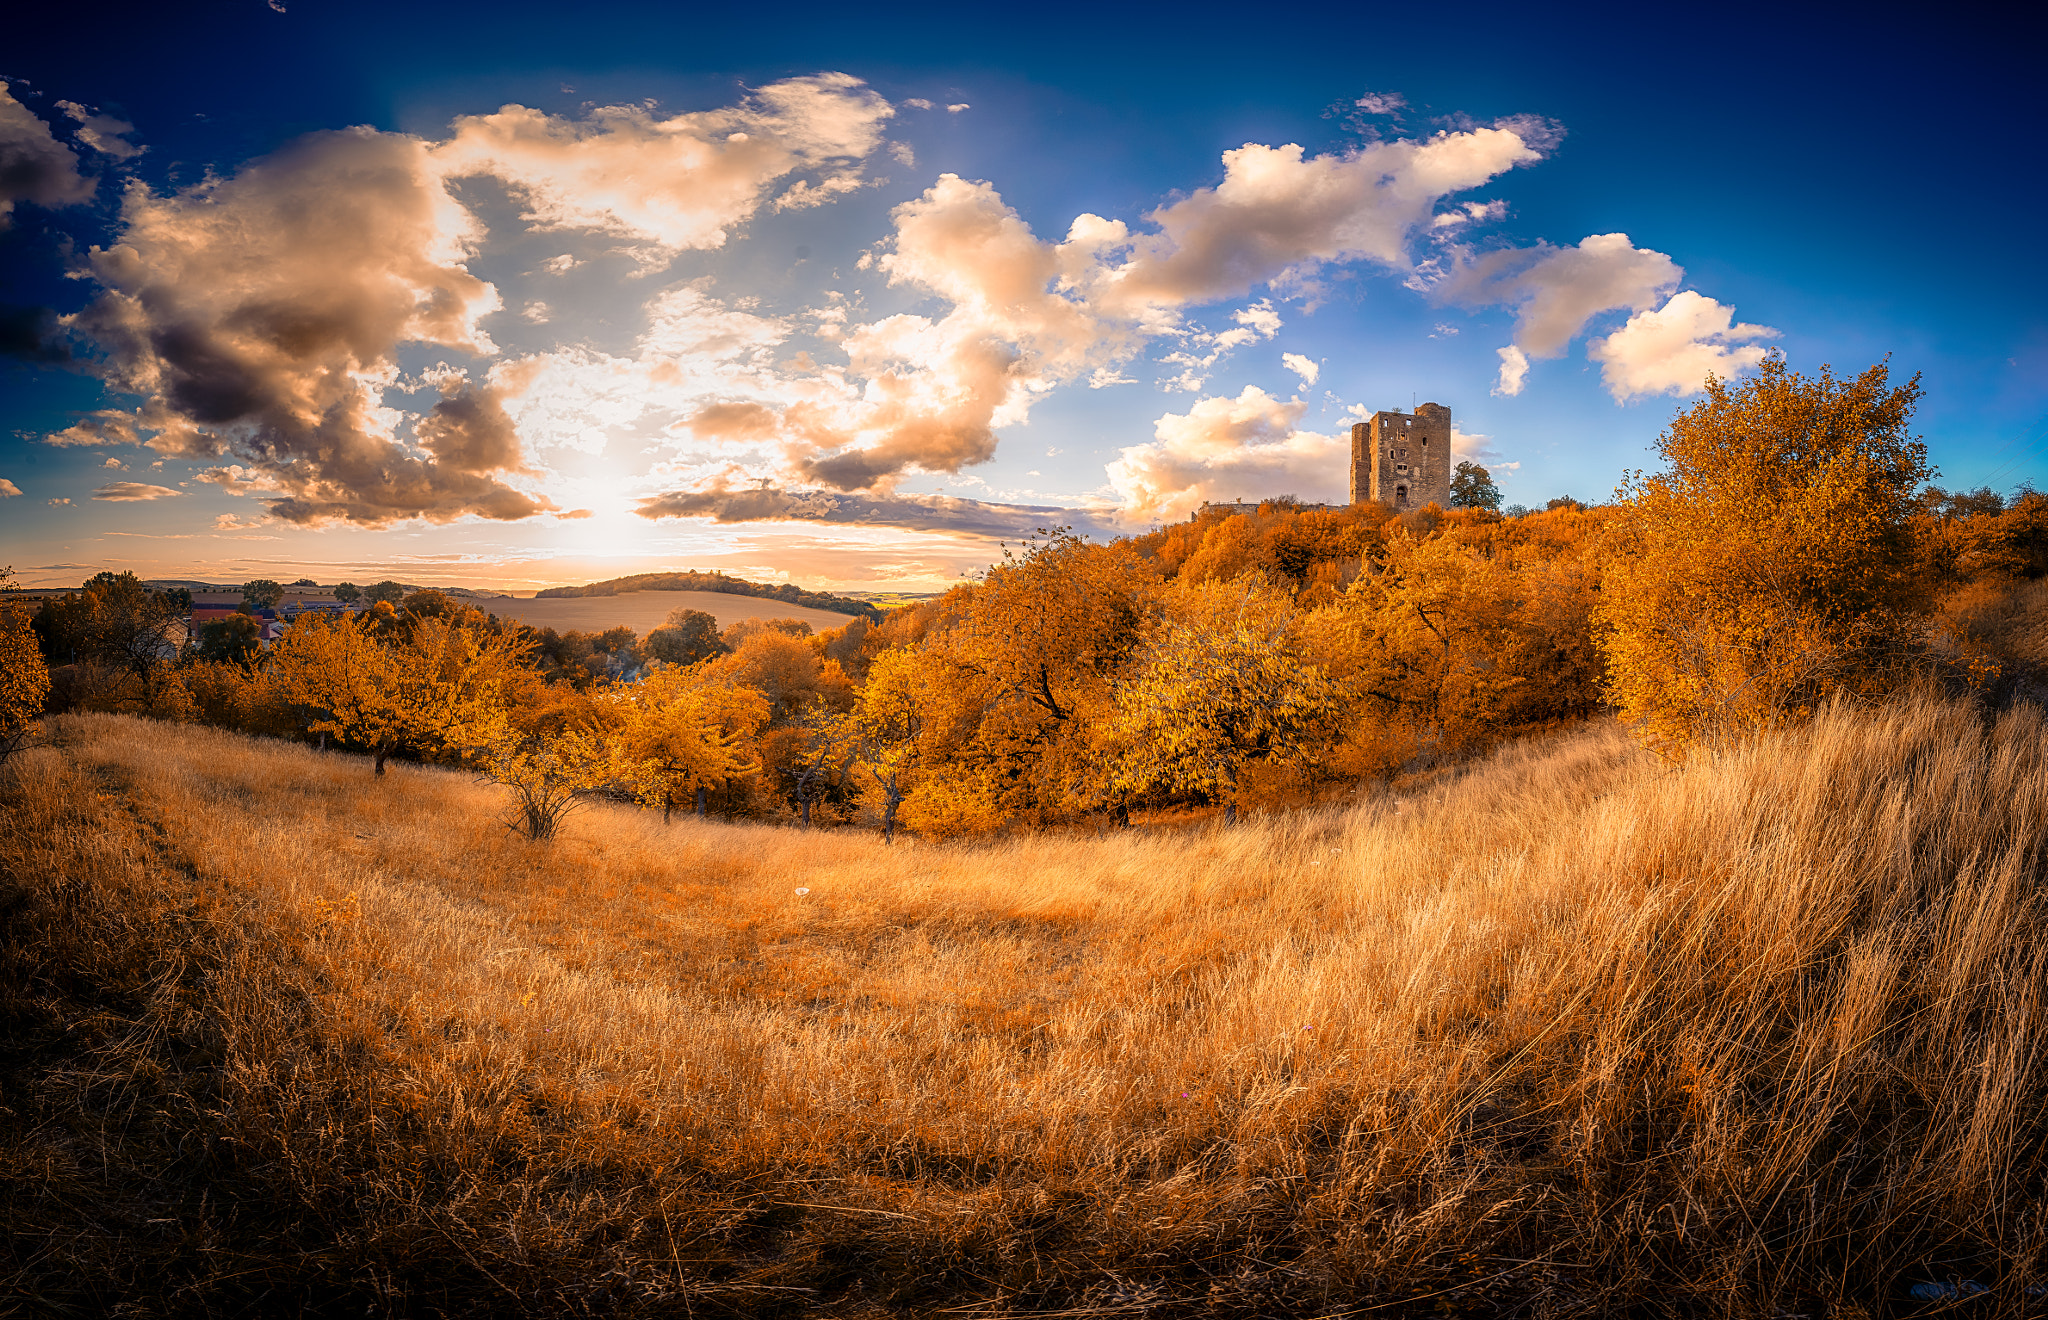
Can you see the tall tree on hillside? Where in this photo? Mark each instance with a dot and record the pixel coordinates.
(261, 594)
(387, 590)
(431, 688)
(1771, 563)
(24, 678)
(1472, 488)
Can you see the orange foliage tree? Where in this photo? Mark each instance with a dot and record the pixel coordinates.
(1771, 563)
(24, 678)
(428, 685)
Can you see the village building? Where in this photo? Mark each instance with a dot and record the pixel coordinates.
(210, 606)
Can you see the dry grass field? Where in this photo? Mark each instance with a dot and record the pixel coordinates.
(643, 611)
(1577, 1032)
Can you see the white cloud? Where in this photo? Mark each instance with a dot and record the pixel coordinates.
(1480, 449)
(1302, 367)
(34, 165)
(918, 103)
(1514, 370)
(676, 183)
(536, 311)
(1224, 449)
(8, 490)
(103, 133)
(113, 463)
(561, 265)
(957, 107)
(1280, 213)
(1673, 349)
(1381, 103)
(1557, 290)
(124, 491)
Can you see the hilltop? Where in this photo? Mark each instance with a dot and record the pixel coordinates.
(691, 580)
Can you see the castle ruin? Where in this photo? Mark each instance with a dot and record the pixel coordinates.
(1403, 459)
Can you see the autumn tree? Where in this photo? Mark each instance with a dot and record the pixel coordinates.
(24, 678)
(348, 593)
(1771, 563)
(685, 732)
(684, 637)
(387, 590)
(903, 733)
(548, 775)
(261, 594)
(432, 687)
(1472, 488)
(119, 621)
(1026, 662)
(1220, 685)
(1461, 635)
(237, 639)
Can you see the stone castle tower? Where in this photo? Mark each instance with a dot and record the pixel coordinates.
(1403, 460)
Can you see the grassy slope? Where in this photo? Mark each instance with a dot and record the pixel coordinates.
(1580, 1033)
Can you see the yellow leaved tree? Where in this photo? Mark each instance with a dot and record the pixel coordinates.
(1771, 564)
(434, 687)
(905, 735)
(1219, 686)
(683, 731)
(24, 678)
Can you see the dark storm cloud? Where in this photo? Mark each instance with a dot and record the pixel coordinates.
(34, 165)
(256, 313)
(29, 334)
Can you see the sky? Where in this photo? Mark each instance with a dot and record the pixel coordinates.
(519, 295)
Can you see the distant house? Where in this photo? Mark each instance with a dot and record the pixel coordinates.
(210, 606)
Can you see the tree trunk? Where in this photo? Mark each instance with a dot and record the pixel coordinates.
(668, 802)
(700, 802)
(804, 810)
(889, 814)
(1123, 815)
(379, 756)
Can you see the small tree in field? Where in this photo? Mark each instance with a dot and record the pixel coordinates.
(261, 594)
(549, 776)
(1772, 563)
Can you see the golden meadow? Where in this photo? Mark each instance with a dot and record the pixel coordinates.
(1519, 985)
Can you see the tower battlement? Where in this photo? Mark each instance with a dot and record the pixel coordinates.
(1403, 459)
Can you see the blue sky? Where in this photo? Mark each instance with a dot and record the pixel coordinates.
(347, 318)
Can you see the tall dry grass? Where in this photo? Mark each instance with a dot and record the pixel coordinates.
(1575, 1033)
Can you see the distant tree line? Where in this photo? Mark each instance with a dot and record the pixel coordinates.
(692, 580)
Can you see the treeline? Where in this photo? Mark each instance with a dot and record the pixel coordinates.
(691, 580)
(1791, 553)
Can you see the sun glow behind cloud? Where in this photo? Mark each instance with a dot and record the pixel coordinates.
(341, 335)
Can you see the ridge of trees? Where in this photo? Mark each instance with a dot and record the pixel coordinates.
(693, 580)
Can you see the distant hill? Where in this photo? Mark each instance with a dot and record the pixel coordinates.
(715, 581)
